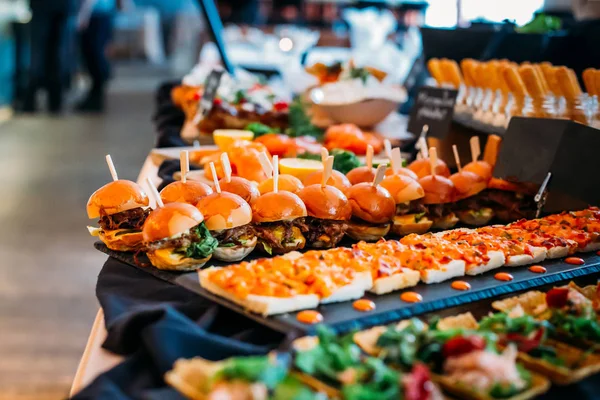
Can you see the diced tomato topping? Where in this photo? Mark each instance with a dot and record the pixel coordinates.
(557, 297)
(217, 102)
(524, 343)
(196, 96)
(280, 106)
(418, 385)
(460, 345)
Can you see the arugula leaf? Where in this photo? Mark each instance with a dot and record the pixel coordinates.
(203, 248)
(502, 323)
(309, 156)
(292, 389)
(268, 248)
(239, 97)
(344, 160)
(266, 369)
(300, 124)
(260, 129)
(579, 327)
(360, 73)
(381, 382)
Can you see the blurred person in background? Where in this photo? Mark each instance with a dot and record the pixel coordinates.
(50, 30)
(95, 23)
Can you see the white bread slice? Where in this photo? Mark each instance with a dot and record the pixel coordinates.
(557, 252)
(446, 271)
(264, 305)
(356, 289)
(497, 259)
(539, 254)
(595, 246)
(400, 280)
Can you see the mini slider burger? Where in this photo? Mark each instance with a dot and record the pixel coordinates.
(278, 218)
(467, 204)
(242, 187)
(287, 182)
(422, 167)
(478, 167)
(373, 209)
(336, 179)
(439, 194)
(365, 173)
(400, 170)
(228, 218)
(328, 212)
(407, 193)
(184, 191)
(122, 207)
(175, 237)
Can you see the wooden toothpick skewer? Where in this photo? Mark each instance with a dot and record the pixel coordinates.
(184, 164)
(369, 156)
(423, 147)
(111, 168)
(456, 157)
(327, 168)
(379, 175)
(215, 177)
(387, 146)
(155, 194)
(226, 166)
(265, 164)
(324, 154)
(475, 147)
(275, 174)
(433, 160)
(396, 160)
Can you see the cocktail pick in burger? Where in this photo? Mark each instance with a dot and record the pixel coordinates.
(122, 207)
(479, 167)
(242, 187)
(397, 169)
(228, 217)
(286, 182)
(411, 214)
(468, 205)
(328, 211)
(364, 173)
(439, 195)
(336, 179)
(422, 167)
(373, 209)
(175, 237)
(278, 218)
(184, 191)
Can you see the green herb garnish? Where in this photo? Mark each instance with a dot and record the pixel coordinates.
(344, 160)
(204, 247)
(261, 129)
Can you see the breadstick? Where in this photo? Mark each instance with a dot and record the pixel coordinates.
(569, 86)
(531, 80)
(588, 76)
(514, 81)
(549, 72)
(435, 70)
(451, 72)
(465, 66)
(541, 78)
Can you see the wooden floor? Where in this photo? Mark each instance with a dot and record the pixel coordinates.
(48, 267)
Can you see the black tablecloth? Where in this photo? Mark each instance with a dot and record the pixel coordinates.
(168, 119)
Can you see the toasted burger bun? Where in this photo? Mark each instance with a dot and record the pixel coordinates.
(242, 187)
(438, 189)
(164, 259)
(446, 222)
(170, 220)
(116, 197)
(402, 171)
(280, 206)
(189, 192)
(236, 253)
(224, 211)
(286, 182)
(467, 184)
(326, 202)
(481, 168)
(366, 232)
(502, 184)
(372, 204)
(423, 168)
(123, 242)
(407, 224)
(402, 188)
(475, 217)
(337, 179)
(361, 174)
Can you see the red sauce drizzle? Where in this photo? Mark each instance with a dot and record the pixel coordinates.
(363, 305)
(598, 252)
(574, 260)
(411, 297)
(460, 285)
(503, 276)
(309, 317)
(538, 269)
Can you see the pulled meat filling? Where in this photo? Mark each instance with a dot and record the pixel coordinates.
(234, 235)
(508, 206)
(267, 232)
(183, 241)
(413, 207)
(325, 230)
(359, 221)
(439, 210)
(130, 219)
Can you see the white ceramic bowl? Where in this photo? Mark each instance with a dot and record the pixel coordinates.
(366, 113)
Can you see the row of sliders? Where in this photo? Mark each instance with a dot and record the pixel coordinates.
(282, 214)
(298, 281)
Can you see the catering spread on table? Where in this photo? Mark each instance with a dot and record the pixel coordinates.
(328, 230)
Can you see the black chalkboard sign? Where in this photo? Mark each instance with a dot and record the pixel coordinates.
(433, 107)
(570, 151)
(211, 85)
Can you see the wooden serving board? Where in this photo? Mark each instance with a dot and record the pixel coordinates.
(344, 318)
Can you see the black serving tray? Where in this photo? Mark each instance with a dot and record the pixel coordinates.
(343, 317)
